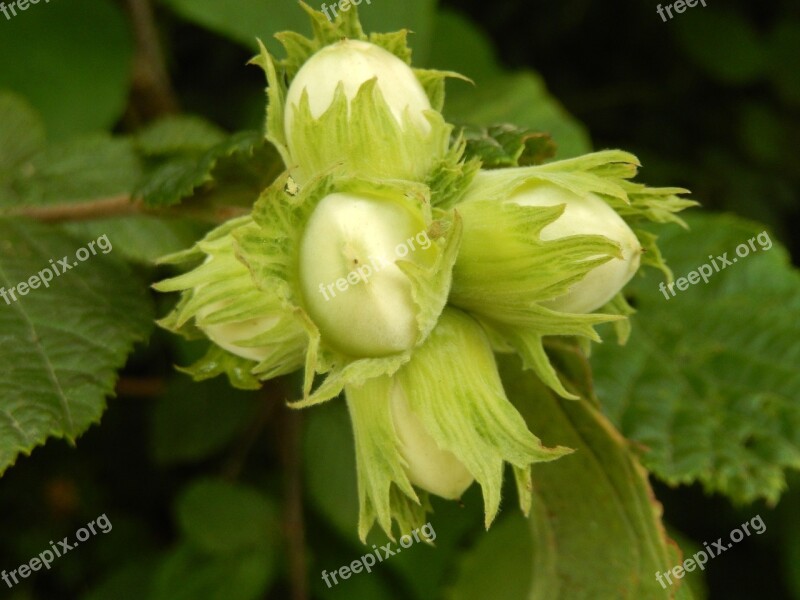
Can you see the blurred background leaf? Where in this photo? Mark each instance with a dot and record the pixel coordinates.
(78, 81)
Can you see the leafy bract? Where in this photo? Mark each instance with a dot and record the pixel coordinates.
(708, 385)
(596, 526)
(507, 145)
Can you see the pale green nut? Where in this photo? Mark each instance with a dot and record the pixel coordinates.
(363, 61)
(355, 106)
(585, 215)
(428, 466)
(220, 298)
(352, 283)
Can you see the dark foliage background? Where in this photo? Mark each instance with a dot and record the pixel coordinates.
(709, 100)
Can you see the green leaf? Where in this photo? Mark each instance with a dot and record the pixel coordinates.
(141, 238)
(188, 574)
(596, 527)
(196, 420)
(723, 43)
(418, 16)
(131, 581)
(222, 518)
(498, 565)
(61, 345)
(87, 168)
(498, 96)
(460, 46)
(71, 60)
(243, 162)
(708, 384)
(500, 146)
(520, 98)
(783, 64)
(178, 135)
(243, 20)
(790, 534)
(21, 132)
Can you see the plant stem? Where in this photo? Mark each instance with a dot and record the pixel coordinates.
(140, 387)
(82, 211)
(119, 206)
(294, 524)
(235, 464)
(152, 91)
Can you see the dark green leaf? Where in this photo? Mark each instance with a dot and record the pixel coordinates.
(331, 465)
(196, 420)
(84, 169)
(784, 59)
(243, 161)
(61, 345)
(21, 132)
(129, 582)
(519, 98)
(243, 20)
(220, 517)
(188, 574)
(723, 43)
(142, 238)
(708, 384)
(499, 564)
(458, 45)
(178, 135)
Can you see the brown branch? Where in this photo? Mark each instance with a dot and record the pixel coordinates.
(152, 91)
(293, 521)
(120, 206)
(115, 206)
(288, 435)
(145, 387)
(235, 463)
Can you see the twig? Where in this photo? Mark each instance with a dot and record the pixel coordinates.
(120, 206)
(80, 211)
(152, 89)
(140, 387)
(235, 463)
(294, 524)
